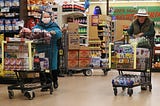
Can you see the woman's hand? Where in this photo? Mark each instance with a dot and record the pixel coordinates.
(52, 32)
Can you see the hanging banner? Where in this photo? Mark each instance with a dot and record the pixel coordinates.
(127, 13)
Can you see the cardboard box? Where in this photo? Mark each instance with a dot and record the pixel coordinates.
(104, 63)
(32, 75)
(44, 63)
(142, 53)
(73, 41)
(93, 32)
(72, 63)
(84, 53)
(73, 28)
(95, 61)
(73, 54)
(141, 63)
(84, 62)
(124, 55)
(124, 65)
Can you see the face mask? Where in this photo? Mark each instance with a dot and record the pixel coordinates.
(46, 20)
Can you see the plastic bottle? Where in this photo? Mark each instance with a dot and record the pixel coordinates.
(37, 63)
(126, 36)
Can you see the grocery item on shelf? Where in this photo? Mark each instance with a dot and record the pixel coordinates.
(68, 7)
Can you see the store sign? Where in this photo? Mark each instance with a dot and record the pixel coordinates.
(127, 13)
(95, 20)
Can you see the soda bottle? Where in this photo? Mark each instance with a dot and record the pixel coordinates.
(126, 36)
(37, 63)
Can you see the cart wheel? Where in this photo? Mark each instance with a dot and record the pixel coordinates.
(51, 90)
(69, 73)
(130, 91)
(105, 71)
(29, 94)
(10, 94)
(88, 72)
(115, 91)
(150, 87)
(143, 87)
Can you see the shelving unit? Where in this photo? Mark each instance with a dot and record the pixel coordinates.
(9, 15)
(156, 55)
(72, 16)
(156, 62)
(1, 39)
(99, 39)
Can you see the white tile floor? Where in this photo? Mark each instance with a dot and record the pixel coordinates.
(79, 90)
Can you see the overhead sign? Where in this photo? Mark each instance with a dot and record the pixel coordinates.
(127, 13)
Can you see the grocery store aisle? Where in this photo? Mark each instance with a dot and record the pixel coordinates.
(79, 90)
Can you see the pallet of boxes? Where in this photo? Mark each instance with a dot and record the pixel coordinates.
(78, 56)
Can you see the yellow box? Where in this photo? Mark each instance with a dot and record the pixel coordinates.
(73, 28)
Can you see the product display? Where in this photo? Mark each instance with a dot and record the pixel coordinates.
(98, 44)
(9, 16)
(125, 57)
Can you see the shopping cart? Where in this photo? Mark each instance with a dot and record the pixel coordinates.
(27, 81)
(131, 59)
(28, 73)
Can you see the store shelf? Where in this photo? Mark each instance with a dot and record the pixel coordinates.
(101, 31)
(83, 36)
(83, 25)
(83, 44)
(94, 48)
(73, 14)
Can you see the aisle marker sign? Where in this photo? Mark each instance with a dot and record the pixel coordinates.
(127, 13)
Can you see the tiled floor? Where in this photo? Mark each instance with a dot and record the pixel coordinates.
(79, 90)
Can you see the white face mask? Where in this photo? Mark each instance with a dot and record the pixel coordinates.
(46, 20)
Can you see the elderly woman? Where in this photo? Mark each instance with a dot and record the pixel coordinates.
(51, 50)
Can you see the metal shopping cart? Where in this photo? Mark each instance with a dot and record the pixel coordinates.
(131, 59)
(27, 81)
(17, 55)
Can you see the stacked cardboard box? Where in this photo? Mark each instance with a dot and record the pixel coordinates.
(73, 36)
(79, 58)
(125, 57)
(73, 59)
(84, 57)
